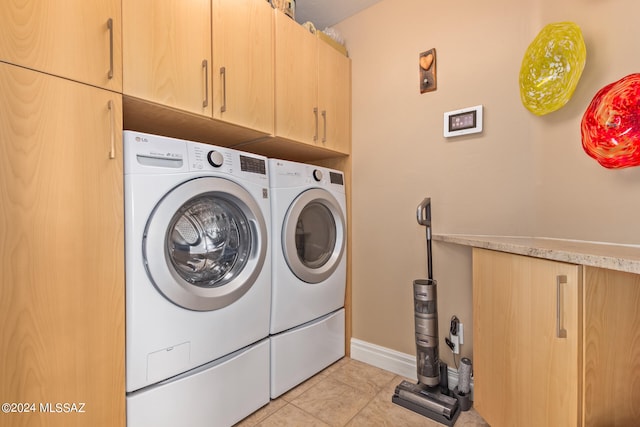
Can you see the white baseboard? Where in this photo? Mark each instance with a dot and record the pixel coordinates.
(384, 358)
(394, 361)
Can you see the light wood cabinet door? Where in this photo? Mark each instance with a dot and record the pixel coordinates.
(313, 89)
(334, 98)
(525, 372)
(611, 348)
(167, 54)
(61, 251)
(71, 39)
(243, 55)
(297, 114)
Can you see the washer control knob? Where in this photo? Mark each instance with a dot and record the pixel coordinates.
(317, 175)
(215, 159)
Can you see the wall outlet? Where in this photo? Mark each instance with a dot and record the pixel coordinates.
(456, 343)
(457, 339)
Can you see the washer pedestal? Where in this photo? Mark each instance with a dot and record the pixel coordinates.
(220, 393)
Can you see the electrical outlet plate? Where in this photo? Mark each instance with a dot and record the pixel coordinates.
(458, 339)
(456, 343)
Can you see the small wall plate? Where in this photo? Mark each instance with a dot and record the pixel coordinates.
(463, 122)
(427, 67)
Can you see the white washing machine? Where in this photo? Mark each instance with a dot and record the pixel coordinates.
(198, 282)
(308, 207)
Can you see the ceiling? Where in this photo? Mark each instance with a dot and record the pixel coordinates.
(325, 13)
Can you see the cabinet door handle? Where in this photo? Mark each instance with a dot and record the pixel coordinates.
(324, 121)
(110, 27)
(315, 113)
(560, 331)
(112, 125)
(223, 76)
(205, 67)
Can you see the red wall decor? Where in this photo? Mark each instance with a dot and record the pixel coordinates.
(610, 126)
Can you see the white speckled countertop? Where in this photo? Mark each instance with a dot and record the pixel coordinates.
(594, 254)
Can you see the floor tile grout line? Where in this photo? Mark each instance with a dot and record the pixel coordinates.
(306, 412)
(326, 377)
(370, 401)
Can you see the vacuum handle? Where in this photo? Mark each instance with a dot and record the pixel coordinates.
(424, 212)
(424, 218)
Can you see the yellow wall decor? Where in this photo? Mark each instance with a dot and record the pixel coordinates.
(551, 67)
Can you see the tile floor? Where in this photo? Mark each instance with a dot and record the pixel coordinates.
(347, 393)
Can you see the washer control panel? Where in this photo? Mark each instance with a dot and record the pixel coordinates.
(204, 157)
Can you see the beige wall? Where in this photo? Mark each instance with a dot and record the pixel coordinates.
(524, 175)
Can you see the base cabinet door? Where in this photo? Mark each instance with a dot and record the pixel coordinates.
(527, 336)
(61, 252)
(611, 348)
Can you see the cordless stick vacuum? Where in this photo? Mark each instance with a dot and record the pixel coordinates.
(425, 397)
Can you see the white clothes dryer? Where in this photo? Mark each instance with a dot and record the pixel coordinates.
(198, 281)
(308, 205)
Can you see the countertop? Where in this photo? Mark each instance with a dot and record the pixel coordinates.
(594, 254)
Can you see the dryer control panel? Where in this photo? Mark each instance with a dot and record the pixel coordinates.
(287, 174)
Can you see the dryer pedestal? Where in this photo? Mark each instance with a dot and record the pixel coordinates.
(301, 352)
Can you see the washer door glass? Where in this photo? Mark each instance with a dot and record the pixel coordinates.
(205, 243)
(209, 241)
(314, 235)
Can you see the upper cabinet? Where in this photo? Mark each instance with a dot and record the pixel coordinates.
(334, 98)
(167, 53)
(211, 58)
(243, 82)
(76, 39)
(297, 116)
(234, 73)
(313, 89)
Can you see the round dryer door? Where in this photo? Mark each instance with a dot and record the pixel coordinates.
(313, 235)
(205, 243)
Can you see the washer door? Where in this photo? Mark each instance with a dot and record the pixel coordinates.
(205, 243)
(313, 235)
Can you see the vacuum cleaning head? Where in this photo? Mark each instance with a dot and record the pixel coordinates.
(428, 402)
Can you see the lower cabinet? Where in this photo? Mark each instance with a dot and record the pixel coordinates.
(525, 355)
(611, 348)
(555, 344)
(61, 252)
